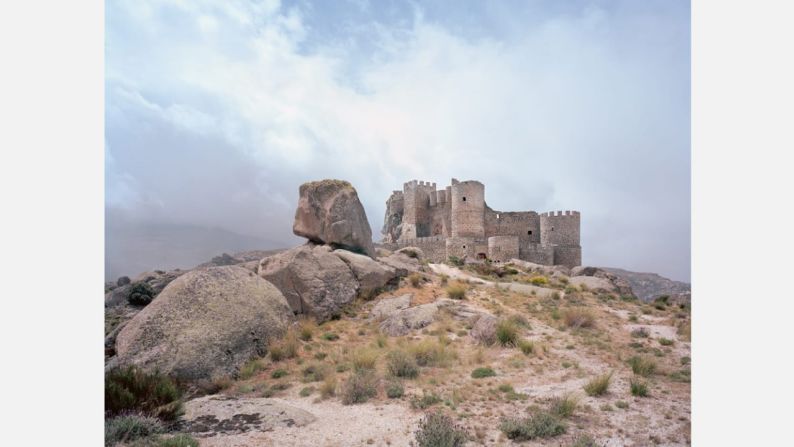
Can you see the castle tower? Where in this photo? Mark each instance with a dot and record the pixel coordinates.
(561, 231)
(418, 196)
(468, 209)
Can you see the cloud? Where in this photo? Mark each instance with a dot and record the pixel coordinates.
(216, 112)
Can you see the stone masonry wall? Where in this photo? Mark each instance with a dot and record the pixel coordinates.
(468, 209)
(503, 248)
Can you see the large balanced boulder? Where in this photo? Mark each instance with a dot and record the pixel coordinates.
(205, 324)
(329, 212)
(315, 281)
(372, 275)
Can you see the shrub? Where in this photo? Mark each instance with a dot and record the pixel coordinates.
(394, 389)
(685, 330)
(526, 346)
(180, 440)
(506, 388)
(140, 294)
(315, 372)
(666, 342)
(444, 279)
(415, 279)
(306, 391)
(430, 353)
(132, 390)
(640, 332)
(286, 348)
(564, 406)
(330, 336)
(456, 261)
(306, 329)
(638, 388)
(539, 280)
(686, 360)
(642, 366)
(579, 318)
(538, 425)
(427, 400)
(359, 387)
(584, 441)
(555, 295)
(402, 364)
(599, 385)
(483, 372)
(364, 358)
(328, 387)
(279, 373)
(456, 291)
(622, 404)
(438, 430)
(570, 289)
(130, 427)
(250, 368)
(684, 375)
(506, 333)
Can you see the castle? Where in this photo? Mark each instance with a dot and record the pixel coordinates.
(456, 221)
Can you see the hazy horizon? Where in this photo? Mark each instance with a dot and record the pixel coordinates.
(216, 113)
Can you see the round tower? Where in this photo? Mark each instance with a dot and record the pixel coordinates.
(468, 209)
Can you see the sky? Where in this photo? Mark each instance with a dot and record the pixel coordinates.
(216, 112)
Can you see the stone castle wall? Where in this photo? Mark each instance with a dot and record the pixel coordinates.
(456, 221)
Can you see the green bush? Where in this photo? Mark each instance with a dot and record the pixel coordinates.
(526, 346)
(180, 440)
(539, 280)
(599, 385)
(584, 441)
(140, 294)
(564, 406)
(316, 372)
(483, 372)
(330, 336)
(130, 427)
(438, 430)
(506, 333)
(427, 400)
(538, 425)
(456, 261)
(359, 387)
(642, 366)
(306, 391)
(251, 368)
(638, 388)
(279, 373)
(666, 342)
(132, 390)
(402, 364)
(394, 389)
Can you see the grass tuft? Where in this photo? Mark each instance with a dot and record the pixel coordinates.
(483, 372)
(599, 385)
(359, 387)
(638, 388)
(538, 425)
(438, 430)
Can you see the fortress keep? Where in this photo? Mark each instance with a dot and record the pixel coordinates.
(456, 221)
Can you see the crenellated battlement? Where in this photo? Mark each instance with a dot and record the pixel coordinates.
(455, 220)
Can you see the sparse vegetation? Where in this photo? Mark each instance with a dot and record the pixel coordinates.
(394, 389)
(359, 387)
(642, 366)
(430, 352)
(538, 425)
(130, 390)
(306, 328)
(564, 406)
(579, 318)
(455, 261)
(364, 358)
(179, 440)
(328, 387)
(599, 385)
(130, 427)
(316, 372)
(526, 346)
(622, 404)
(279, 373)
(638, 388)
(415, 279)
(666, 342)
(584, 441)
(640, 332)
(456, 291)
(427, 400)
(330, 336)
(506, 332)
(306, 391)
(483, 372)
(438, 430)
(287, 348)
(402, 364)
(539, 280)
(251, 368)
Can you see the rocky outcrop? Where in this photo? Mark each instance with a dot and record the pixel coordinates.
(159, 279)
(403, 263)
(540, 269)
(403, 321)
(648, 286)
(621, 286)
(372, 275)
(392, 221)
(330, 212)
(388, 306)
(484, 329)
(314, 280)
(412, 252)
(214, 415)
(205, 324)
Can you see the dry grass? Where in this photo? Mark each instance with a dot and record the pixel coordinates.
(579, 318)
(364, 359)
(286, 348)
(599, 385)
(456, 291)
(306, 328)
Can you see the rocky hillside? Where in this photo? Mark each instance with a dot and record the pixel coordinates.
(648, 286)
(336, 343)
